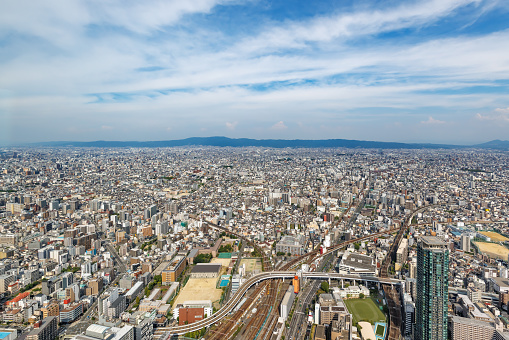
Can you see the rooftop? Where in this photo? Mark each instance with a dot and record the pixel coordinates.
(206, 268)
(433, 241)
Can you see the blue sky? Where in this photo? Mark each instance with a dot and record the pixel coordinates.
(408, 71)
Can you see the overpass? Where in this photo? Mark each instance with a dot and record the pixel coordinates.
(232, 303)
(285, 273)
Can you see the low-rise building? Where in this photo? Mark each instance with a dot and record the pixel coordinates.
(353, 263)
(291, 244)
(69, 314)
(206, 270)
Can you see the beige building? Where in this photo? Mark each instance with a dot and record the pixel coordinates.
(174, 269)
(471, 329)
(52, 309)
(5, 281)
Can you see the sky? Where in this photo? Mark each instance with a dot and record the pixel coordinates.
(408, 71)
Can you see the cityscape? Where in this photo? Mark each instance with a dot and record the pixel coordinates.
(248, 243)
(254, 170)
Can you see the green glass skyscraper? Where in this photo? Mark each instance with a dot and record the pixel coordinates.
(432, 289)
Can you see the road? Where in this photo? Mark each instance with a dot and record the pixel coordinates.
(300, 316)
(82, 323)
(296, 330)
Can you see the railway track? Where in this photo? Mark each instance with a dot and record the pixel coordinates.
(228, 327)
(391, 294)
(257, 322)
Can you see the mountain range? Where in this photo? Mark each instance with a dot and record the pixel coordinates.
(274, 143)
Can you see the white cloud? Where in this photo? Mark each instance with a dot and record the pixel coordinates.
(326, 28)
(54, 81)
(57, 20)
(498, 115)
(231, 126)
(502, 110)
(279, 126)
(432, 121)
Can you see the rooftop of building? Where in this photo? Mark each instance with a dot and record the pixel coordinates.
(206, 268)
(433, 241)
(358, 261)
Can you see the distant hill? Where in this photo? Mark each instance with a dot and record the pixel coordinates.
(272, 143)
(496, 144)
(245, 142)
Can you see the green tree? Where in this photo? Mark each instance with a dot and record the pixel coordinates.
(361, 296)
(325, 286)
(225, 248)
(202, 258)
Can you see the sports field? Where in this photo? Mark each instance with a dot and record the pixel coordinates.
(494, 236)
(493, 250)
(252, 265)
(364, 310)
(224, 262)
(199, 289)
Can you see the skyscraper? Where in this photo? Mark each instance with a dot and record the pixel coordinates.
(432, 289)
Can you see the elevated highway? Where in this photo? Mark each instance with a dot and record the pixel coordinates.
(284, 273)
(232, 303)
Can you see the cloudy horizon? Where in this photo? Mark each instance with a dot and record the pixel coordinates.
(399, 71)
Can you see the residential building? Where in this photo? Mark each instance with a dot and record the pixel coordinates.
(45, 329)
(432, 289)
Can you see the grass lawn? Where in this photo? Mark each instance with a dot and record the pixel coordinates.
(364, 310)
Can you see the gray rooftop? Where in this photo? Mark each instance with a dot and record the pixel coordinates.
(206, 268)
(433, 241)
(359, 261)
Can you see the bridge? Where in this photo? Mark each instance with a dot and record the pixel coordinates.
(232, 303)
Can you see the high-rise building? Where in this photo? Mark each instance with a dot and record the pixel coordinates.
(432, 289)
(465, 243)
